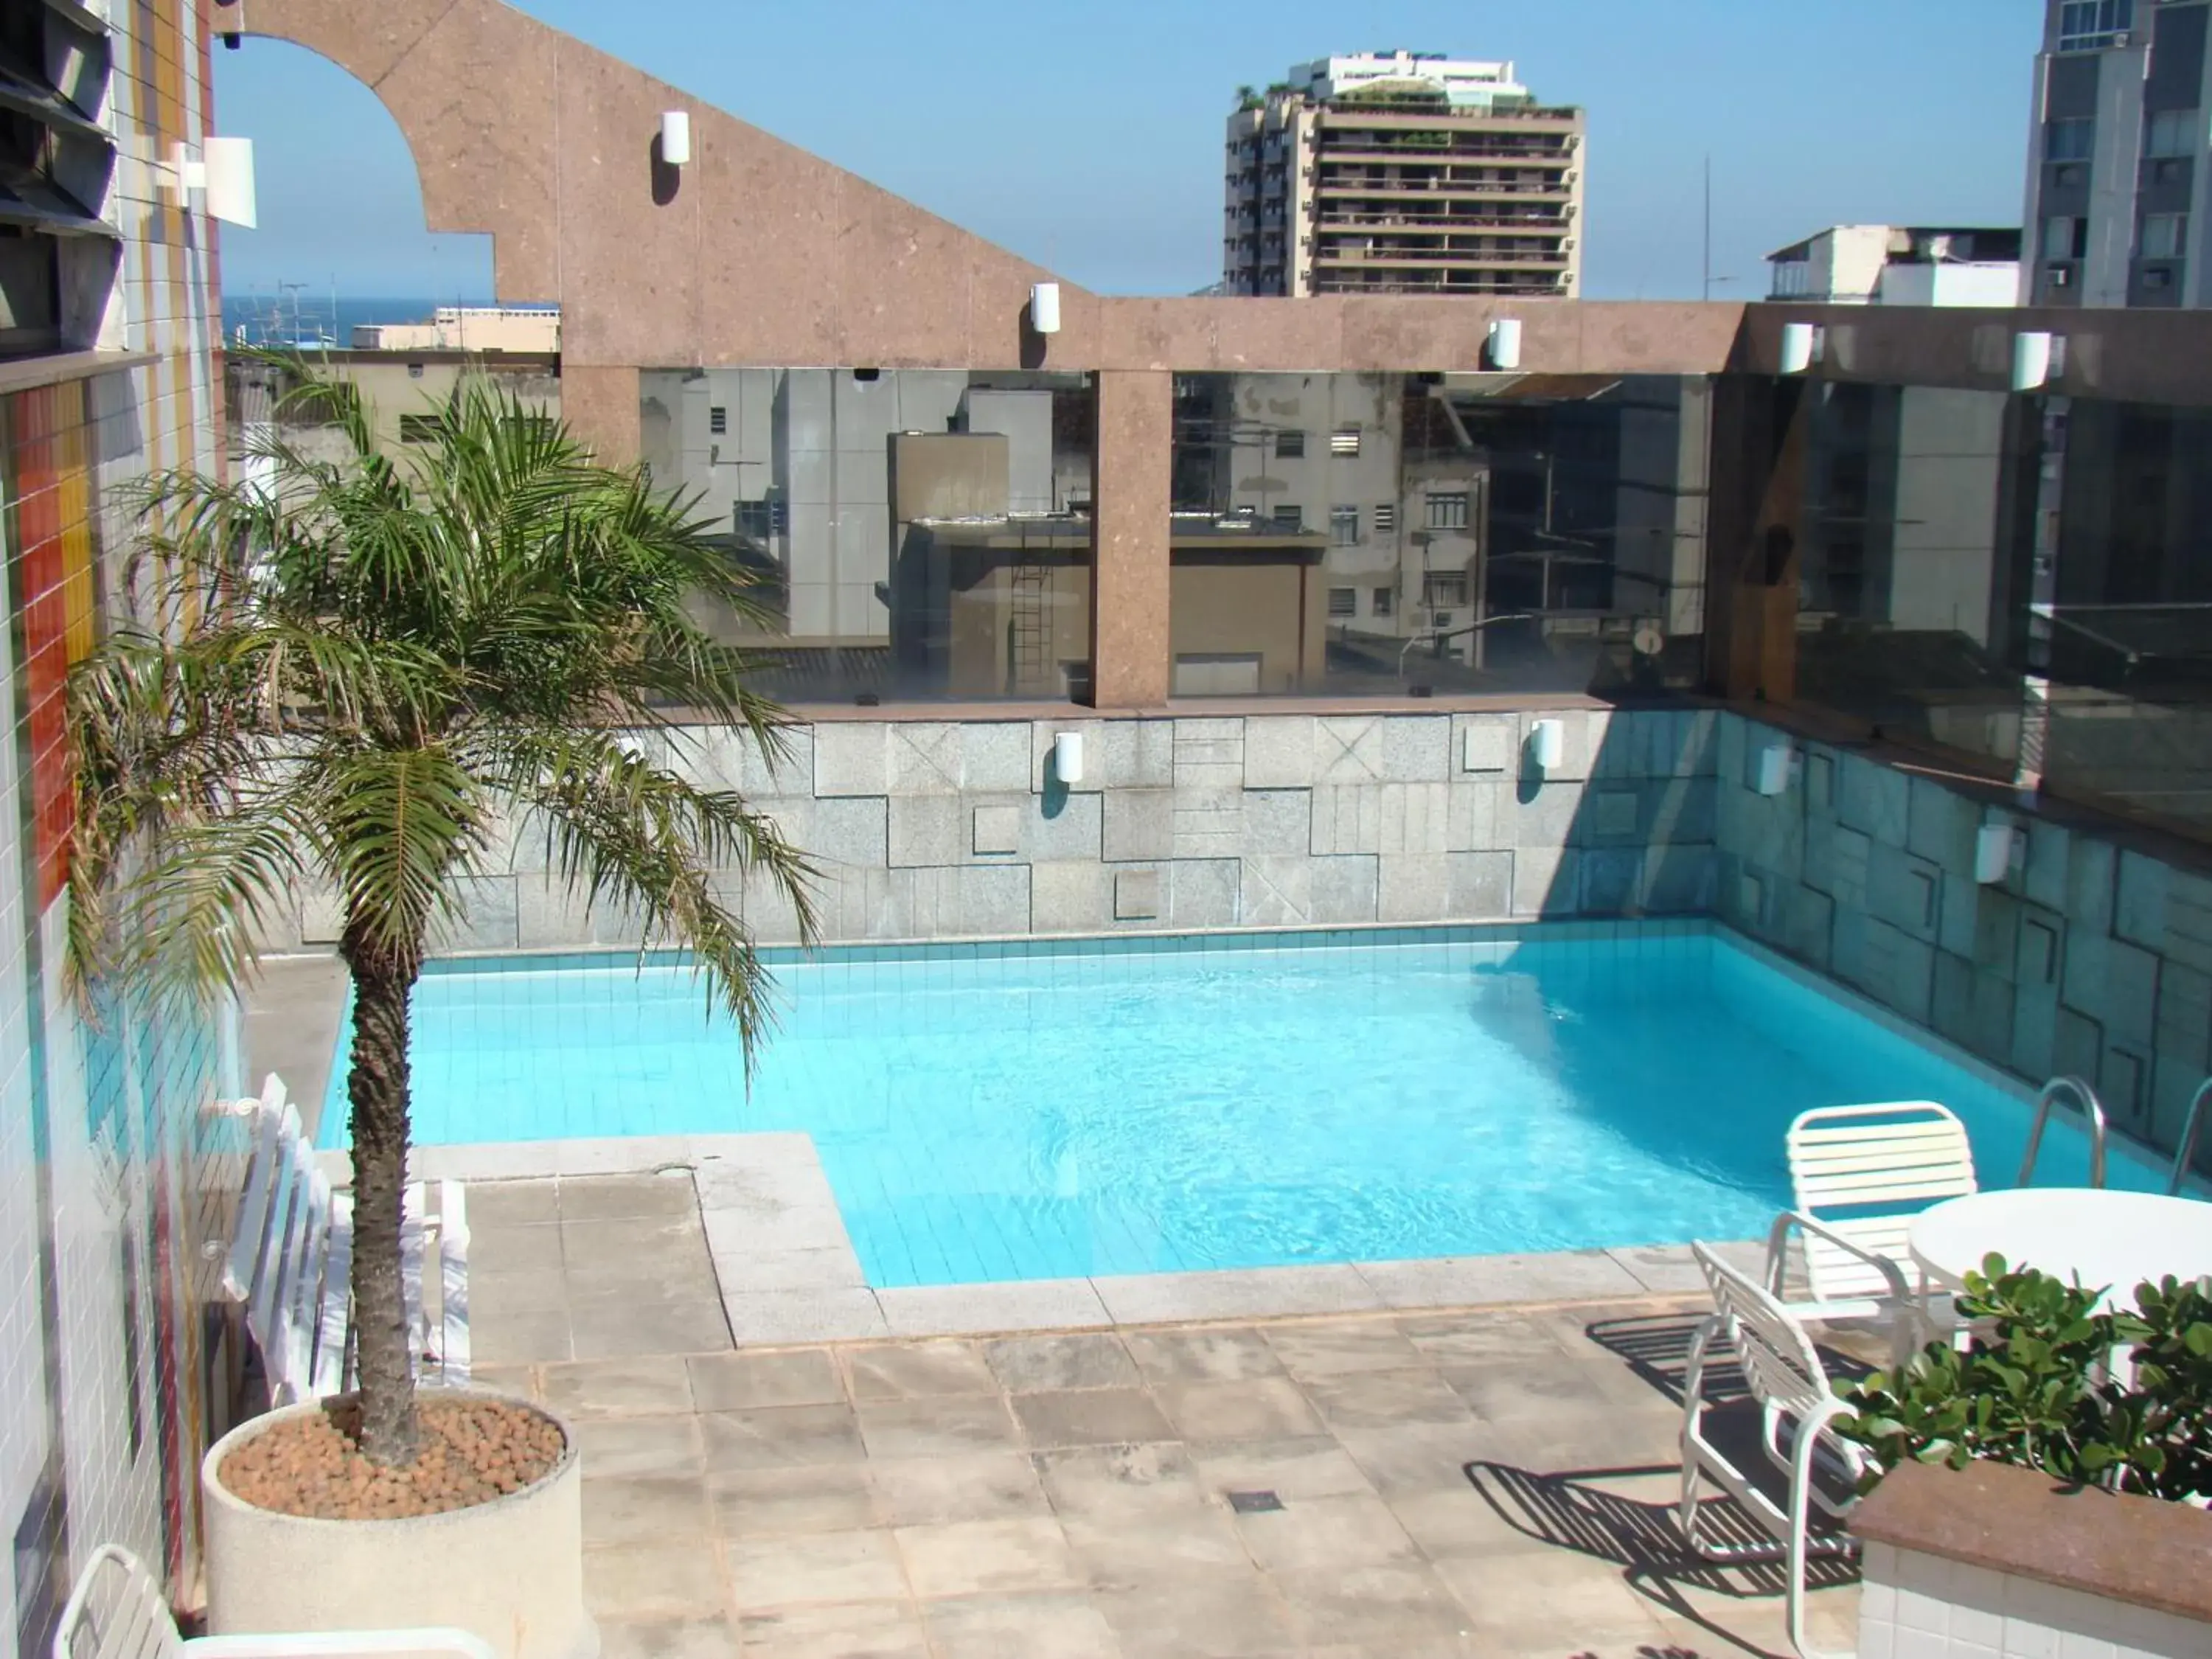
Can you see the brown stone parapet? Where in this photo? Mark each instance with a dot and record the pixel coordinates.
(600, 405)
(1130, 662)
(2143, 1551)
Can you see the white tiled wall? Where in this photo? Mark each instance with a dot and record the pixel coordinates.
(1916, 1606)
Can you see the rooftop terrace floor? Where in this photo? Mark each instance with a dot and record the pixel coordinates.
(1495, 1480)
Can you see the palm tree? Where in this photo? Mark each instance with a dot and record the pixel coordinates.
(349, 674)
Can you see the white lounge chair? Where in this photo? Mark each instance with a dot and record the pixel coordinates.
(291, 1255)
(1860, 1175)
(1817, 1468)
(117, 1611)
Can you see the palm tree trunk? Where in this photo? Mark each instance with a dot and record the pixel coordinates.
(376, 1086)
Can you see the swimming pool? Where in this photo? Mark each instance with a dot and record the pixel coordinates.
(1059, 1108)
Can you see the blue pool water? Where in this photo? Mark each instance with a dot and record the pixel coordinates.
(1140, 1106)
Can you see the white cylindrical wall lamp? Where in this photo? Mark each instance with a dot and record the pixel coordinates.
(1548, 745)
(1505, 343)
(1995, 848)
(676, 138)
(1067, 757)
(1778, 764)
(1044, 307)
(2033, 351)
(1801, 347)
(229, 180)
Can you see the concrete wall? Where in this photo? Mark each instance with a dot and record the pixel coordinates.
(2089, 958)
(1919, 1606)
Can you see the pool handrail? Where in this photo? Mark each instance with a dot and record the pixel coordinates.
(2191, 1127)
(2093, 1110)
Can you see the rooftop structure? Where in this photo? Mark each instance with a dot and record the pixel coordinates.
(466, 328)
(1401, 173)
(1901, 265)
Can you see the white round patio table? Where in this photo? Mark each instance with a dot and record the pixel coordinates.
(2089, 1236)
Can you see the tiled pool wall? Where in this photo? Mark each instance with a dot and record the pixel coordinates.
(2089, 958)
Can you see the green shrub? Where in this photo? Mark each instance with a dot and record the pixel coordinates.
(2040, 1393)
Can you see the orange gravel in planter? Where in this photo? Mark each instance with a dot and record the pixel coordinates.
(473, 1450)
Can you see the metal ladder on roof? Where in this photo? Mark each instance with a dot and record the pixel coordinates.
(2191, 1127)
(2093, 1111)
(1032, 626)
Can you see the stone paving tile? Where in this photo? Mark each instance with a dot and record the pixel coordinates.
(941, 1427)
(1265, 1408)
(1211, 1354)
(791, 1501)
(1029, 1365)
(852, 1630)
(660, 1576)
(908, 1370)
(709, 1637)
(653, 1386)
(1054, 1624)
(991, 1490)
(642, 1509)
(736, 1382)
(830, 1566)
(973, 1558)
(1089, 1417)
(780, 1437)
(933, 1492)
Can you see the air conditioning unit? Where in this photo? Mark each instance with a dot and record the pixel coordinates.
(2060, 276)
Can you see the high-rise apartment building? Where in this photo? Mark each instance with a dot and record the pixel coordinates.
(1402, 173)
(2120, 156)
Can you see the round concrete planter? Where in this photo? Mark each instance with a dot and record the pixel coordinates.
(511, 1571)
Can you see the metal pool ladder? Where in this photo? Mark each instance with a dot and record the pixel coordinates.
(2092, 1108)
(2191, 1126)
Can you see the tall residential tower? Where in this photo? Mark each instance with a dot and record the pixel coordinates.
(2120, 156)
(1402, 173)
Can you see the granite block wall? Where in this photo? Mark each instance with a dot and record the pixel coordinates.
(2088, 958)
(949, 829)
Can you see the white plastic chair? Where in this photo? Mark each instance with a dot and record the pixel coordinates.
(1860, 1175)
(117, 1611)
(291, 1255)
(1783, 1371)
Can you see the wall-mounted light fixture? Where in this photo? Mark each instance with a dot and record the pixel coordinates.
(1778, 764)
(1504, 342)
(676, 138)
(1067, 757)
(1547, 746)
(2036, 357)
(1044, 307)
(1997, 848)
(222, 173)
(1802, 345)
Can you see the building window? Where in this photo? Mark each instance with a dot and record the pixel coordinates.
(1344, 525)
(1448, 509)
(2069, 140)
(1288, 515)
(1385, 518)
(718, 420)
(1384, 601)
(2165, 235)
(1345, 441)
(2158, 277)
(2065, 237)
(419, 428)
(1290, 442)
(2171, 132)
(1343, 602)
(2092, 25)
(1440, 589)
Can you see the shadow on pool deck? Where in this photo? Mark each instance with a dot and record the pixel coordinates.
(1491, 1482)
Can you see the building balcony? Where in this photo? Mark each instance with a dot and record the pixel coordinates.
(1444, 259)
(1463, 192)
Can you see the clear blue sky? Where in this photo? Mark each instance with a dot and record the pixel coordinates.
(1086, 134)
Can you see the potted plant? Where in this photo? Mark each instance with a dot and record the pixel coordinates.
(352, 673)
(2119, 1397)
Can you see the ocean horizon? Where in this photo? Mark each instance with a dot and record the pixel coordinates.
(264, 314)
